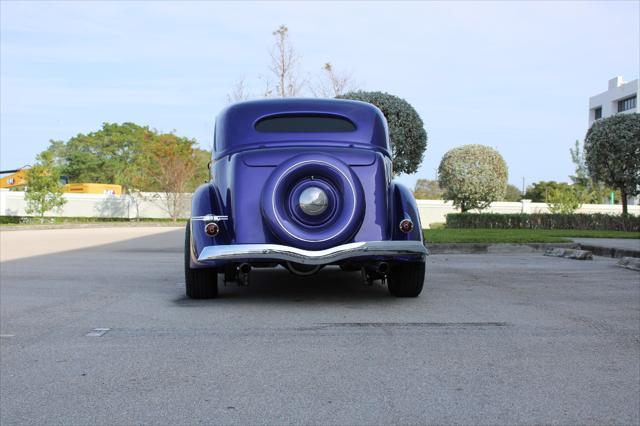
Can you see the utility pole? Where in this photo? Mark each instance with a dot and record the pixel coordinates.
(523, 185)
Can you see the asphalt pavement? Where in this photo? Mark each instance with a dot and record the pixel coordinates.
(95, 329)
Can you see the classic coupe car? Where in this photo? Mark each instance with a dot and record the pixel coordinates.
(303, 183)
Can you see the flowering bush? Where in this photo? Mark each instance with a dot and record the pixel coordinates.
(473, 176)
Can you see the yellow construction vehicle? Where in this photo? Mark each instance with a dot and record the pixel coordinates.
(17, 179)
(92, 188)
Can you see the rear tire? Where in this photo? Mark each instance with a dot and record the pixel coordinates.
(199, 283)
(406, 279)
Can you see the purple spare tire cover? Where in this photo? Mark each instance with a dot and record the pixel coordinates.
(336, 225)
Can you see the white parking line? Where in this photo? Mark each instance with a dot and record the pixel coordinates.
(97, 332)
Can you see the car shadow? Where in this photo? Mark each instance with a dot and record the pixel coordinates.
(329, 285)
(153, 264)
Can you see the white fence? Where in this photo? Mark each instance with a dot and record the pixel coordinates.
(144, 205)
(152, 205)
(435, 211)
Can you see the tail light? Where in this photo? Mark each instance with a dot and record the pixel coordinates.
(211, 229)
(406, 226)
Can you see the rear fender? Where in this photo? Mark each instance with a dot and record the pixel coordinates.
(206, 201)
(404, 206)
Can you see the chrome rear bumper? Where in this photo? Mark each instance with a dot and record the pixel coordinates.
(277, 252)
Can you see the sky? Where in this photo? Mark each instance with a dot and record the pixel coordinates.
(516, 76)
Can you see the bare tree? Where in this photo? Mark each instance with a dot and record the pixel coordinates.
(284, 79)
(333, 83)
(238, 92)
(168, 166)
(284, 64)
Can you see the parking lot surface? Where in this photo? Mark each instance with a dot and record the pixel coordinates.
(494, 339)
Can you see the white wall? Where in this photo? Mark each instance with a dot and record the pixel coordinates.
(145, 205)
(150, 205)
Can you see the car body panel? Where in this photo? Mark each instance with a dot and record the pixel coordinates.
(243, 182)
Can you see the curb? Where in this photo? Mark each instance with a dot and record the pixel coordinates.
(501, 248)
(616, 253)
(31, 227)
(632, 263)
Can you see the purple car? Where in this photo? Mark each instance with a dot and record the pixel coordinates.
(303, 183)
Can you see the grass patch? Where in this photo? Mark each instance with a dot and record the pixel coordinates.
(490, 236)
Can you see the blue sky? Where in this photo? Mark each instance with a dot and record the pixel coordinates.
(513, 75)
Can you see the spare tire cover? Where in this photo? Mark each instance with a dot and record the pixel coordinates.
(285, 219)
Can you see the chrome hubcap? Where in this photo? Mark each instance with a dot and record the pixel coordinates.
(313, 201)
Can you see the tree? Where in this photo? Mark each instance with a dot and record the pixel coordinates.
(284, 68)
(512, 193)
(104, 156)
(426, 189)
(473, 176)
(285, 64)
(238, 92)
(612, 153)
(406, 129)
(563, 199)
(332, 83)
(169, 166)
(539, 191)
(113, 155)
(43, 191)
(582, 172)
(588, 190)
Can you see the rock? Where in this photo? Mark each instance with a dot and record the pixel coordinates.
(555, 252)
(570, 253)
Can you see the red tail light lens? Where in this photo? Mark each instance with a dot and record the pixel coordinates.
(406, 226)
(211, 229)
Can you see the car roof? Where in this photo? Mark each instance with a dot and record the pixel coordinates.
(235, 125)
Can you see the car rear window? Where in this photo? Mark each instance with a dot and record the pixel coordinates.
(304, 124)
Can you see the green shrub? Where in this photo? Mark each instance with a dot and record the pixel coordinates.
(563, 200)
(473, 176)
(612, 153)
(596, 221)
(437, 225)
(406, 130)
(9, 219)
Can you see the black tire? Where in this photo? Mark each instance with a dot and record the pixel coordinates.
(199, 283)
(406, 279)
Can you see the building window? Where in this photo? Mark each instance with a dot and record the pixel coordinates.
(627, 104)
(597, 113)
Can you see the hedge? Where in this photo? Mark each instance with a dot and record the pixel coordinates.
(9, 219)
(596, 221)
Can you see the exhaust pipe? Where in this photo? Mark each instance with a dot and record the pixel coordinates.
(376, 271)
(243, 274)
(382, 267)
